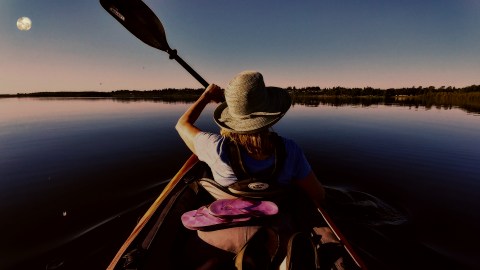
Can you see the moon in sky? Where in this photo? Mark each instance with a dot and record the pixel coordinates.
(24, 23)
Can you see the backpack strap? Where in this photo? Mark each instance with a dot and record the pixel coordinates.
(259, 185)
(271, 173)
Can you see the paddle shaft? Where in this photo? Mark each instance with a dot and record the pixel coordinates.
(146, 217)
(342, 239)
(173, 55)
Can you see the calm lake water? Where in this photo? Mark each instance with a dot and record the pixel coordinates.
(76, 174)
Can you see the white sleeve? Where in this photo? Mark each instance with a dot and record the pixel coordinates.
(206, 145)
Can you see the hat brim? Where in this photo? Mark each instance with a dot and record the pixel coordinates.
(279, 103)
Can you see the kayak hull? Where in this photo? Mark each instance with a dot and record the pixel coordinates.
(164, 243)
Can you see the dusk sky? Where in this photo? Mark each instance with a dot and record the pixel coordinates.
(78, 46)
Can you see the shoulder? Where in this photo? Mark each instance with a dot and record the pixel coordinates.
(208, 145)
(204, 136)
(296, 160)
(290, 145)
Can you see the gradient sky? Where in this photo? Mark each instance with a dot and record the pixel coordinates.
(78, 46)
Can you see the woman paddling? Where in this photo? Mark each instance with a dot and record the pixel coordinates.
(247, 146)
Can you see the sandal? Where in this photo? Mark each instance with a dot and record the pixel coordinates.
(202, 219)
(234, 208)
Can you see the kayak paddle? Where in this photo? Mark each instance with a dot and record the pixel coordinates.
(146, 217)
(142, 22)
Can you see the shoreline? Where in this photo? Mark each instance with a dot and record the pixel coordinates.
(467, 98)
(305, 91)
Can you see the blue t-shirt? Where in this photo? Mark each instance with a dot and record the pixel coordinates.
(212, 149)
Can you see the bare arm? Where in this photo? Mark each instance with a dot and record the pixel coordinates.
(185, 125)
(313, 188)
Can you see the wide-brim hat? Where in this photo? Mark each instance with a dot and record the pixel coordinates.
(250, 106)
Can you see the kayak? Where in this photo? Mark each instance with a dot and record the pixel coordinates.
(161, 241)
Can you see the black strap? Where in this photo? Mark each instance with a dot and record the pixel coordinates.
(267, 175)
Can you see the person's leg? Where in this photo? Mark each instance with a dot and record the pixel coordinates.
(230, 239)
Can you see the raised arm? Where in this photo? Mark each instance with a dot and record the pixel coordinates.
(185, 125)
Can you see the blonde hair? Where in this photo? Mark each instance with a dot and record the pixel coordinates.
(258, 145)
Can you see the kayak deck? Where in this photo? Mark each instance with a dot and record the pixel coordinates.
(165, 243)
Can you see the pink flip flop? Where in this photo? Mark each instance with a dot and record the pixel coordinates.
(202, 219)
(235, 208)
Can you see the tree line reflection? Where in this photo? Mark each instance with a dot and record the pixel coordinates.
(467, 98)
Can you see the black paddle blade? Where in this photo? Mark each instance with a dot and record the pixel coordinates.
(140, 20)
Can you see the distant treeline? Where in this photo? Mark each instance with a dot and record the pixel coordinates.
(377, 92)
(305, 91)
(467, 98)
(186, 93)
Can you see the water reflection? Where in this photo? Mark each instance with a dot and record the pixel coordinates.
(465, 104)
(337, 101)
(95, 158)
(469, 102)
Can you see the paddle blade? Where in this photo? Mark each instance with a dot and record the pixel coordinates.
(140, 20)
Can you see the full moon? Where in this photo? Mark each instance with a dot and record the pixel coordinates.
(24, 23)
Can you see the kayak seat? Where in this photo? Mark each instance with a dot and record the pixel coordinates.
(214, 189)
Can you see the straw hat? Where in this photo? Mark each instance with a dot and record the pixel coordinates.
(250, 106)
